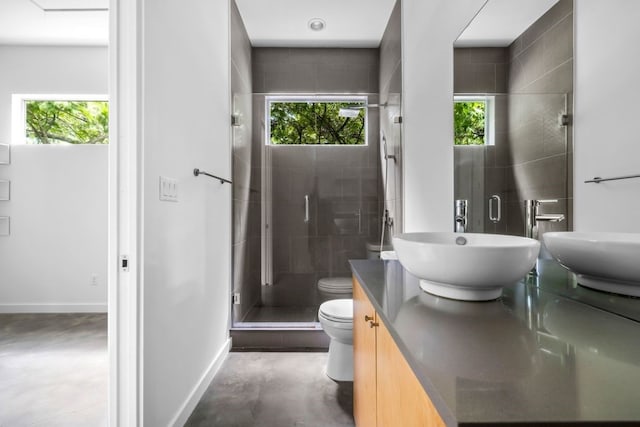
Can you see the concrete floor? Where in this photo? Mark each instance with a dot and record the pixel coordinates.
(274, 390)
(53, 370)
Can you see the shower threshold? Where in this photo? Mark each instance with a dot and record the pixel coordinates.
(276, 325)
(279, 337)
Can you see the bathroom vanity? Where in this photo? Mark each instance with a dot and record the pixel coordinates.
(542, 353)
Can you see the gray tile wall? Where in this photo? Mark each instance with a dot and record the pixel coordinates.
(540, 158)
(246, 203)
(343, 182)
(391, 93)
(300, 70)
(480, 70)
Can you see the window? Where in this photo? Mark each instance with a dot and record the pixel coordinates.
(316, 120)
(60, 119)
(473, 118)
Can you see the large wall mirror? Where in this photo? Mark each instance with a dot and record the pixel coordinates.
(513, 93)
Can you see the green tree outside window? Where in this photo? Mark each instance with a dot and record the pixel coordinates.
(67, 122)
(317, 123)
(469, 118)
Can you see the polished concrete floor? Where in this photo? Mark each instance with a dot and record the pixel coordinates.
(274, 390)
(53, 370)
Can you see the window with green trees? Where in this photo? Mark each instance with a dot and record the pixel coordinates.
(470, 121)
(66, 122)
(317, 121)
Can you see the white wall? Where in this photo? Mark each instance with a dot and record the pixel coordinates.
(607, 90)
(186, 245)
(58, 205)
(429, 29)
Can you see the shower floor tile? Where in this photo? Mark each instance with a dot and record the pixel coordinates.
(281, 314)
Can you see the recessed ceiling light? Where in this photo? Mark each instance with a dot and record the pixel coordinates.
(316, 24)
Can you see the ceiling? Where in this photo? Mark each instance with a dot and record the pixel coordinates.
(50, 22)
(500, 22)
(278, 23)
(284, 23)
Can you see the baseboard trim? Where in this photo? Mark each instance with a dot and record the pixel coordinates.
(53, 308)
(196, 394)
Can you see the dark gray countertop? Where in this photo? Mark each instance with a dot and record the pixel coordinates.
(535, 356)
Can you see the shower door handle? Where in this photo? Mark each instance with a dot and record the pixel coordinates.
(498, 217)
(306, 208)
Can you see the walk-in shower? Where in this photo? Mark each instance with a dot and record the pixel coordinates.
(307, 175)
(314, 207)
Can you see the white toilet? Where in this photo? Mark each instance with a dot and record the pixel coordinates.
(336, 318)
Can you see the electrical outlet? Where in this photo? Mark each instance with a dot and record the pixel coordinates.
(168, 189)
(236, 298)
(94, 279)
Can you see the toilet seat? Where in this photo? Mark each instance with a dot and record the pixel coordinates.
(337, 310)
(336, 285)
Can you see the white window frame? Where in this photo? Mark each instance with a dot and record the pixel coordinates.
(489, 117)
(315, 98)
(19, 110)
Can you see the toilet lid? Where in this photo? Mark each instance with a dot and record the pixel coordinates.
(336, 284)
(339, 310)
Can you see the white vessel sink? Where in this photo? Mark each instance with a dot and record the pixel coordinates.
(466, 266)
(604, 261)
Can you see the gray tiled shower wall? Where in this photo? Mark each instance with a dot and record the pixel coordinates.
(532, 157)
(343, 182)
(540, 73)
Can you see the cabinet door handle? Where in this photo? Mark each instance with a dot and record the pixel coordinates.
(373, 324)
(367, 318)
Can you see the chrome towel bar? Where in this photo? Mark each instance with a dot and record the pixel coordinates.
(198, 172)
(598, 180)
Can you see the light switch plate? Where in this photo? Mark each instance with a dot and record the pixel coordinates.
(5, 154)
(168, 189)
(4, 225)
(5, 190)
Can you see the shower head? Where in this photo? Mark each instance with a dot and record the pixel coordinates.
(349, 112)
(354, 110)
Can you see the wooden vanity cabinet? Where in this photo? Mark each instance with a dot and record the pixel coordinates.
(386, 393)
(364, 359)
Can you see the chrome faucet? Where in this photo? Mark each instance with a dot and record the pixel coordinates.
(460, 218)
(533, 216)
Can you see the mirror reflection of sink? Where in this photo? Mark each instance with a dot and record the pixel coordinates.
(465, 336)
(604, 261)
(467, 266)
(590, 329)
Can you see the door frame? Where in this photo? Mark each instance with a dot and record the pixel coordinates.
(125, 225)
